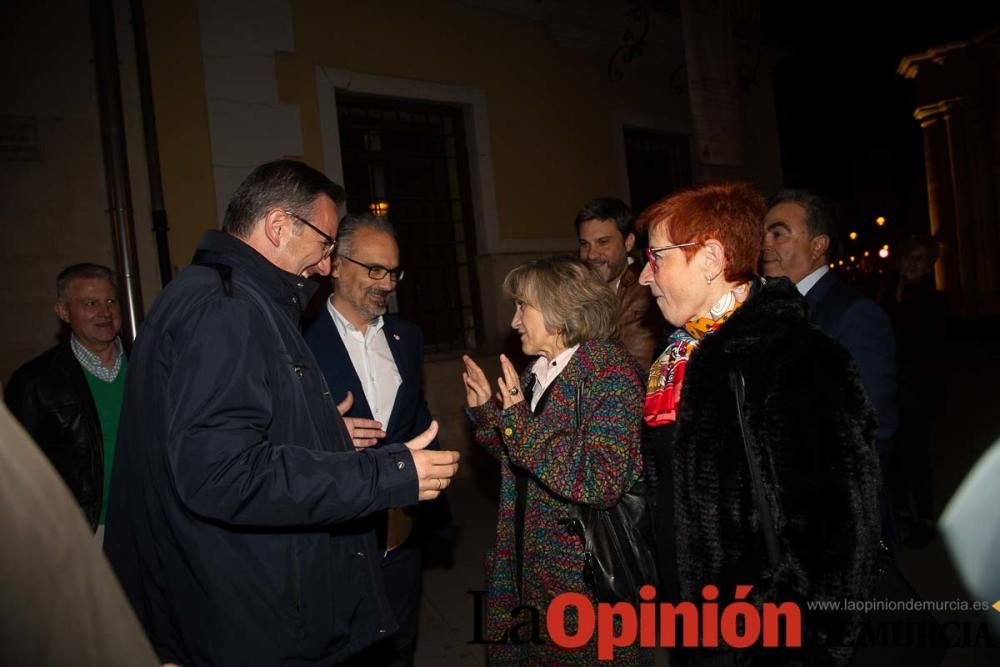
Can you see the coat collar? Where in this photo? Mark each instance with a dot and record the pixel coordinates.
(774, 306)
(289, 291)
(590, 356)
(821, 288)
(629, 279)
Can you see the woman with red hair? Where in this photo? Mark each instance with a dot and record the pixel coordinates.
(810, 529)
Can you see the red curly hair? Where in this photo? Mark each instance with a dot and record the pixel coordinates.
(731, 213)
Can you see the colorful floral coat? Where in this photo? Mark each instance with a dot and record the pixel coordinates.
(566, 463)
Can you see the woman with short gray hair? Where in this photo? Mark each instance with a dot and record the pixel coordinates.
(566, 434)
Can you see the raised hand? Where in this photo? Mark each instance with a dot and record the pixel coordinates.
(510, 385)
(477, 387)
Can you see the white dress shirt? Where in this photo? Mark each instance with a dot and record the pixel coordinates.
(373, 362)
(546, 371)
(810, 281)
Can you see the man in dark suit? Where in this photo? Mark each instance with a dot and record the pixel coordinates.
(799, 241)
(373, 362)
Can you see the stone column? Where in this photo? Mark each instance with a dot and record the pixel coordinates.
(960, 201)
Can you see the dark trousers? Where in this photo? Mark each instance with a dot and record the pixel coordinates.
(911, 479)
(402, 570)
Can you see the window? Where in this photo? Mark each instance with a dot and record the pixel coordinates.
(408, 160)
(658, 164)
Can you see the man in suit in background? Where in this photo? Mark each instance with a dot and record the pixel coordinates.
(800, 236)
(374, 364)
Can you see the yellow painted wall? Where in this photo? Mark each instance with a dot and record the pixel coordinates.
(181, 122)
(550, 109)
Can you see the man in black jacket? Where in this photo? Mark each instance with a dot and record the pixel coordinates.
(232, 520)
(69, 397)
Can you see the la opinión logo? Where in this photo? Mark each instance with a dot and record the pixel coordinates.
(738, 624)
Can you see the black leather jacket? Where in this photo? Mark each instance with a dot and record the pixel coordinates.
(50, 397)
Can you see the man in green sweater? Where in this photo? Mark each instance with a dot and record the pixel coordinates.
(69, 398)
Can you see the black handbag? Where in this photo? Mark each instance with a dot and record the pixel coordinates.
(891, 586)
(618, 551)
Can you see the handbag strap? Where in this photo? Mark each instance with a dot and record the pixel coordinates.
(579, 401)
(585, 510)
(738, 383)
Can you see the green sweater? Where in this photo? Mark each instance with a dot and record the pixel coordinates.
(108, 400)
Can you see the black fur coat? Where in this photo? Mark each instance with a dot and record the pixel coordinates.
(813, 431)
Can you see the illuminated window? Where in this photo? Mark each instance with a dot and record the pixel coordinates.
(408, 160)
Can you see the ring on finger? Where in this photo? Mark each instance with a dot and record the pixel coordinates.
(514, 391)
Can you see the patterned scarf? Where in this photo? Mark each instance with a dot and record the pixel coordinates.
(666, 377)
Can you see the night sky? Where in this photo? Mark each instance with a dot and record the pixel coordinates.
(845, 117)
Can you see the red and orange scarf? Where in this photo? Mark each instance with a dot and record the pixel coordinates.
(666, 377)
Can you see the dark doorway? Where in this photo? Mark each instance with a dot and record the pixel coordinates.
(658, 164)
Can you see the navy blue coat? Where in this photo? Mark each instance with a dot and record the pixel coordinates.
(236, 490)
(860, 325)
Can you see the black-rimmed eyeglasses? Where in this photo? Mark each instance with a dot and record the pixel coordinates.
(377, 272)
(652, 254)
(329, 243)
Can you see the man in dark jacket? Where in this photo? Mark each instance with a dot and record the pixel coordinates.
(605, 231)
(69, 397)
(232, 521)
(799, 241)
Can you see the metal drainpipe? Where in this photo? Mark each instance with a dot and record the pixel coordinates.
(109, 97)
(159, 211)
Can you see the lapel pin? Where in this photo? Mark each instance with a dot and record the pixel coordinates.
(396, 336)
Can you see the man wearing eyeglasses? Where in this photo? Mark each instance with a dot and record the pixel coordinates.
(374, 362)
(604, 228)
(235, 520)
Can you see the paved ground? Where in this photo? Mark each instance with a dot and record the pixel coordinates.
(970, 422)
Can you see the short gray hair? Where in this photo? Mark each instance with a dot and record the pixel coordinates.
(85, 270)
(353, 222)
(571, 294)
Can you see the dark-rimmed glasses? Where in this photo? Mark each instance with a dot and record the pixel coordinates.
(376, 272)
(329, 243)
(653, 253)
